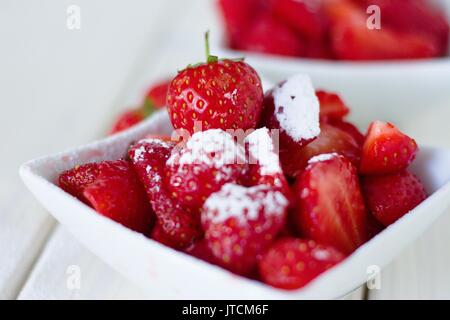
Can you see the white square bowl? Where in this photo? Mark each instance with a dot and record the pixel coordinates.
(386, 90)
(154, 266)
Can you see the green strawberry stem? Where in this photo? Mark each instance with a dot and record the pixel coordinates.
(147, 107)
(209, 57)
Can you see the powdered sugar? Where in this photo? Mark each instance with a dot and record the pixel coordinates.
(262, 151)
(214, 147)
(243, 204)
(139, 152)
(297, 108)
(322, 157)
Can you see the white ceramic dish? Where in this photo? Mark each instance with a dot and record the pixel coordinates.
(177, 275)
(388, 90)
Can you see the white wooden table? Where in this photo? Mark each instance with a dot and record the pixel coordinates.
(61, 88)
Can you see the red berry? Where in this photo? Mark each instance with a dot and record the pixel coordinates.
(305, 17)
(219, 94)
(210, 159)
(331, 106)
(200, 250)
(331, 140)
(160, 236)
(330, 206)
(149, 159)
(386, 149)
(268, 35)
(351, 129)
(117, 193)
(415, 17)
(237, 16)
(292, 263)
(240, 223)
(352, 40)
(75, 180)
(391, 196)
(126, 120)
(157, 93)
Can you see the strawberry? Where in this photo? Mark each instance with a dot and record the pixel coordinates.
(292, 108)
(267, 35)
(264, 167)
(160, 236)
(330, 206)
(210, 159)
(292, 263)
(126, 120)
(331, 106)
(391, 196)
(75, 180)
(374, 226)
(200, 250)
(305, 17)
(386, 149)
(117, 193)
(237, 15)
(240, 223)
(331, 140)
(352, 40)
(351, 129)
(415, 17)
(156, 94)
(219, 94)
(149, 160)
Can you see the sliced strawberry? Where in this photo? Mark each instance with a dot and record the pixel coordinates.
(331, 106)
(330, 140)
(292, 263)
(352, 40)
(351, 129)
(118, 194)
(149, 159)
(389, 197)
(330, 206)
(237, 16)
(240, 223)
(268, 35)
(210, 159)
(415, 17)
(305, 17)
(386, 149)
(157, 93)
(126, 120)
(75, 180)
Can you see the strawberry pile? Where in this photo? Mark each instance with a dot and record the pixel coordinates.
(336, 29)
(277, 187)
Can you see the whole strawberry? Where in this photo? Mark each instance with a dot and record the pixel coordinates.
(219, 94)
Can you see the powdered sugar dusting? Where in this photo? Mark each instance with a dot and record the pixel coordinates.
(243, 204)
(139, 152)
(262, 151)
(214, 147)
(322, 157)
(297, 108)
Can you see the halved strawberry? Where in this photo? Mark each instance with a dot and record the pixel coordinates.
(117, 193)
(292, 263)
(240, 223)
(75, 180)
(352, 40)
(149, 160)
(267, 35)
(210, 159)
(331, 106)
(305, 17)
(331, 140)
(351, 129)
(389, 197)
(386, 149)
(330, 206)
